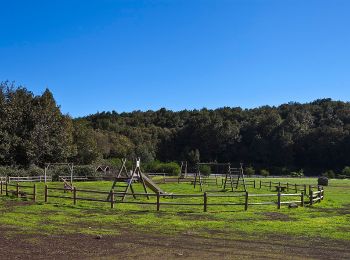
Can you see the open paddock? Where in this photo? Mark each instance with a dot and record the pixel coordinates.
(323, 227)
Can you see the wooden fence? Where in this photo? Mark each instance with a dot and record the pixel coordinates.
(29, 179)
(298, 198)
(18, 190)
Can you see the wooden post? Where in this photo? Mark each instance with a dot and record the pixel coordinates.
(112, 198)
(34, 192)
(260, 184)
(158, 201)
(279, 200)
(287, 186)
(304, 188)
(1, 187)
(319, 194)
(302, 199)
(17, 190)
(74, 195)
(246, 201)
(296, 188)
(254, 184)
(6, 189)
(311, 194)
(270, 185)
(205, 201)
(46, 193)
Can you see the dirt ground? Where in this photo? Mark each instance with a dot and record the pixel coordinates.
(131, 245)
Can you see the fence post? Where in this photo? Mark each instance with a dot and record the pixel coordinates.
(46, 193)
(6, 189)
(260, 184)
(246, 201)
(311, 194)
(1, 187)
(17, 190)
(254, 184)
(34, 192)
(319, 193)
(158, 201)
(305, 188)
(270, 185)
(302, 199)
(112, 198)
(279, 199)
(296, 188)
(74, 195)
(205, 201)
(287, 186)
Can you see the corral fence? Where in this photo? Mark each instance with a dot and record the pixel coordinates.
(29, 178)
(202, 200)
(18, 190)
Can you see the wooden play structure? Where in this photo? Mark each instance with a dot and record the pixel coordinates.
(123, 182)
(234, 177)
(183, 170)
(67, 185)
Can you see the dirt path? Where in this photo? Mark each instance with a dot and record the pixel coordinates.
(146, 246)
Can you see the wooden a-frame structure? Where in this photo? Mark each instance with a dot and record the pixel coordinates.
(183, 170)
(124, 180)
(233, 176)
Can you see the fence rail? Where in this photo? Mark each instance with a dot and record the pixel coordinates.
(297, 198)
(28, 178)
(18, 190)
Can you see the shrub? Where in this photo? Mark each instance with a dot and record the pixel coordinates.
(249, 171)
(346, 171)
(12, 171)
(205, 170)
(171, 168)
(264, 172)
(298, 174)
(329, 174)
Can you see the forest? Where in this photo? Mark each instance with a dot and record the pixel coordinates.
(312, 136)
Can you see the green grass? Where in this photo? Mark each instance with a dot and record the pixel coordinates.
(329, 219)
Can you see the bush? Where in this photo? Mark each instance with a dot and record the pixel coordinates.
(329, 174)
(205, 170)
(249, 171)
(264, 172)
(298, 174)
(346, 171)
(12, 171)
(171, 168)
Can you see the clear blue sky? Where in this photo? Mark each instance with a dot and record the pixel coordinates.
(129, 55)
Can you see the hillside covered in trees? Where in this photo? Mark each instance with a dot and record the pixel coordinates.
(313, 136)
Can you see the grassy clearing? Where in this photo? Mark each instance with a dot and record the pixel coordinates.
(329, 219)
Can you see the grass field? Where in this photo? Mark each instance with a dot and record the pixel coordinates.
(325, 223)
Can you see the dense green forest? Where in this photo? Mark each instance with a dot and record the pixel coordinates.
(313, 136)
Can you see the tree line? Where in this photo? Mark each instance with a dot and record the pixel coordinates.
(313, 136)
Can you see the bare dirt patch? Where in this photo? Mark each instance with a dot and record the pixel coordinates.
(132, 245)
(277, 216)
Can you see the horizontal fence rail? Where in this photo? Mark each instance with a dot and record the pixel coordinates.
(203, 200)
(28, 179)
(18, 190)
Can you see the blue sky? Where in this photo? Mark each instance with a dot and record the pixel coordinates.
(139, 55)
